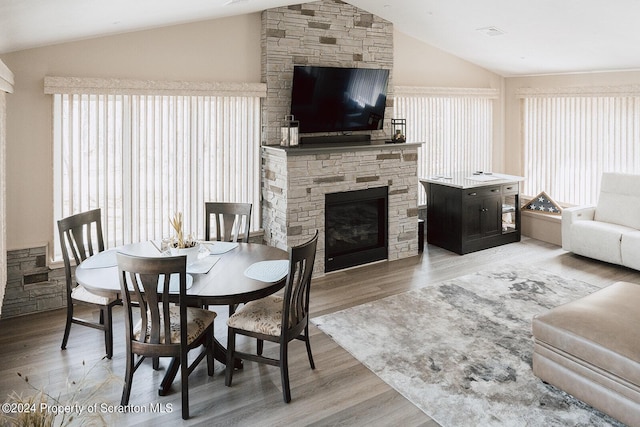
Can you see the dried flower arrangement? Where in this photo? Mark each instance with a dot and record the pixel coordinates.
(179, 241)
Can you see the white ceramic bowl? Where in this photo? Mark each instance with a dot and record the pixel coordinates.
(191, 253)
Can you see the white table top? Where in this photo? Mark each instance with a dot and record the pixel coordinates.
(471, 179)
(225, 282)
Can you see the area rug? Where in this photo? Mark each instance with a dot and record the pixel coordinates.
(461, 350)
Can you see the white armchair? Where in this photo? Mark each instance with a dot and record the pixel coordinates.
(569, 217)
(609, 231)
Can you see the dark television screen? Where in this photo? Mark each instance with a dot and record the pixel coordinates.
(331, 99)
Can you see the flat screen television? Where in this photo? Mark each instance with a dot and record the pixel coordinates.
(333, 99)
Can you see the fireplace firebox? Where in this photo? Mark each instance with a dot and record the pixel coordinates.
(355, 227)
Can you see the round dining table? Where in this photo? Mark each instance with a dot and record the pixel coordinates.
(227, 282)
(225, 274)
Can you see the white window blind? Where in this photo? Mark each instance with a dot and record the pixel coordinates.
(143, 157)
(571, 137)
(456, 126)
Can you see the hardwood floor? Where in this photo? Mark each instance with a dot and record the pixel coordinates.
(340, 391)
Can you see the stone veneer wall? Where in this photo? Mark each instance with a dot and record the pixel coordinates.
(326, 33)
(294, 188)
(31, 285)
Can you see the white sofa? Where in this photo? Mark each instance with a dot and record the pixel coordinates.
(609, 231)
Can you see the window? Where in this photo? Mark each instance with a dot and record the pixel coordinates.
(572, 135)
(455, 124)
(141, 157)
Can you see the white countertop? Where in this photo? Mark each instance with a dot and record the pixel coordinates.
(471, 179)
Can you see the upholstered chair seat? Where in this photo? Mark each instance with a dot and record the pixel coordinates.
(263, 316)
(79, 293)
(198, 321)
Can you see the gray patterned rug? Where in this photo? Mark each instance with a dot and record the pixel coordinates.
(461, 350)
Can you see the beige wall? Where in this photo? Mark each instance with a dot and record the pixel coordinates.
(419, 64)
(513, 148)
(224, 50)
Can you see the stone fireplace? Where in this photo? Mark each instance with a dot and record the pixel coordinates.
(296, 182)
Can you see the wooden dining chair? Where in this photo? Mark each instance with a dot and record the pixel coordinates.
(164, 329)
(277, 319)
(81, 237)
(231, 221)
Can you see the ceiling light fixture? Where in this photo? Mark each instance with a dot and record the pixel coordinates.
(491, 31)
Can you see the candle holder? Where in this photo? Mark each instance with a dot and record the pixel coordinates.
(289, 132)
(399, 128)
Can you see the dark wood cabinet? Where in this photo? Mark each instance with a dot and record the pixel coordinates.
(469, 219)
(481, 213)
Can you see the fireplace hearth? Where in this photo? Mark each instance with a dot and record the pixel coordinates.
(356, 227)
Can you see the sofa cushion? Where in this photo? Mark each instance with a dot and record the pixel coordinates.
(600, 240)
(600, 329)
(630, 250)
(619, 200)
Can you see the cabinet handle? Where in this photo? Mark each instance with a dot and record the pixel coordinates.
(509, 188)
(495, 189)
(472, 194)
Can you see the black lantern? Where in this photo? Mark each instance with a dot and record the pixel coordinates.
(399, 128)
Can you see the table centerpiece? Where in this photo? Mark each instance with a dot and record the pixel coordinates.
(179, 245)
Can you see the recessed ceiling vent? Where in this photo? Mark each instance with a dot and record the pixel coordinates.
(491, 31)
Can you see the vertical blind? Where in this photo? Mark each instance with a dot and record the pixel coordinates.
(141, 158)
(457, 130)
(571, 139)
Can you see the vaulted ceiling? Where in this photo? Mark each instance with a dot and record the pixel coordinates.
(509, 37)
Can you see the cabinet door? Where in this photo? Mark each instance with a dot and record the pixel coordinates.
(482, 215)
(473, 211)
(443, 215)
(492, 216)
